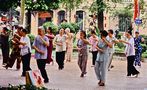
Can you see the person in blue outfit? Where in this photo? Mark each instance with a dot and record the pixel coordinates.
(138, 49)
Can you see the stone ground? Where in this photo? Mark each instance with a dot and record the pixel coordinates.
(69, 78)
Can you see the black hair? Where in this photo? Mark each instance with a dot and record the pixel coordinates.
(104, 33)
(130, 30)
(93, 32)
(111, 31)
(83, 33)
(24, 30)
(51, 30)
(5, 29)
(19, 28)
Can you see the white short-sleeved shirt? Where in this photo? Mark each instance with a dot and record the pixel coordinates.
(130, 49)
(27, 48)
(60, 39)
(111, 40)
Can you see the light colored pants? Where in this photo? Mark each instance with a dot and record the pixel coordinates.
(69, 53)
(100, 70)
(110, 60)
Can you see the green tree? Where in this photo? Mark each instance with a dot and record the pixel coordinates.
(41, 5)
(70, 5)
(99, 6)
(5, 5)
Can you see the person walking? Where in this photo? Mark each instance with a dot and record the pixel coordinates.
(25, 51)
(50, 36)
(102, 58)
(93, 41)
(5, 45)
(82, 52)
(69, 44)
(15, 53)
(138, 48)
(40, 45)
(111, 38)
(130, 53)
(60, 42)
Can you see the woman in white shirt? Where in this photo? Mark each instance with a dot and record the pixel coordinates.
(130, 53)
(25, 51)
(60, 42)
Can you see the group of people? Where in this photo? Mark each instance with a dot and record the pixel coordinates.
(102, 49)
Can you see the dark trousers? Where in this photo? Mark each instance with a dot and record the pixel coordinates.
(41, 65)
(5, 53)
(94, 56)
(26, 63)
(131, 70)
(15, 55)
(60, 56)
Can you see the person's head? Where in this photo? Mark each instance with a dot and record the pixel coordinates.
(41, 31)
(83, 34)
(67, 30)
(104, 34)
(5, 29)
(61, 31)
(49, 30)
(128, 33)
(19, 30)
(24, 32)
(110, 33)
(136, 33)
(93, 33)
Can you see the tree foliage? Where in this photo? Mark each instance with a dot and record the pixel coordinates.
(33, 5)
(71, 4)
(5, 5)
(41, 5)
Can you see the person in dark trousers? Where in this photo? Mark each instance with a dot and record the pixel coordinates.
(40, 45)
(60, 42)
(15, 54)
(5, 45)
(93, 41)
(130, 53)
(25, 51)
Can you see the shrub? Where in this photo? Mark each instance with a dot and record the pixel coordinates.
(50, 24)
(67, 25)
(23, 87)
(144, 47)
(32, 37)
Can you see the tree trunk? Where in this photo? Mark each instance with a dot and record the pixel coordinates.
(100, 16)
(101, 21)
(22, 11)
(70, 15)
(29, 21)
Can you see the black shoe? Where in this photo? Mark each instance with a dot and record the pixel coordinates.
(82, 75)
(46, 81)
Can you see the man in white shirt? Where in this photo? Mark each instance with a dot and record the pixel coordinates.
(111, 38)
(25, 51)
(130, 53)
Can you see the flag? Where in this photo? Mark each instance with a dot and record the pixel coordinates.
(136, 9)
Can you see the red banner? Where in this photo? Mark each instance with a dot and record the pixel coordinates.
(136, 9)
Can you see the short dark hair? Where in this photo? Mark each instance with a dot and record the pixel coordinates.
(25, 31)
(83, 33)
(5, 28)
(19, 28)
(51, 30)
(104, 33)
(93, 32)
(111, 31)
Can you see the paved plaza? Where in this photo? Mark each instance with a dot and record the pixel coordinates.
(69, 78)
